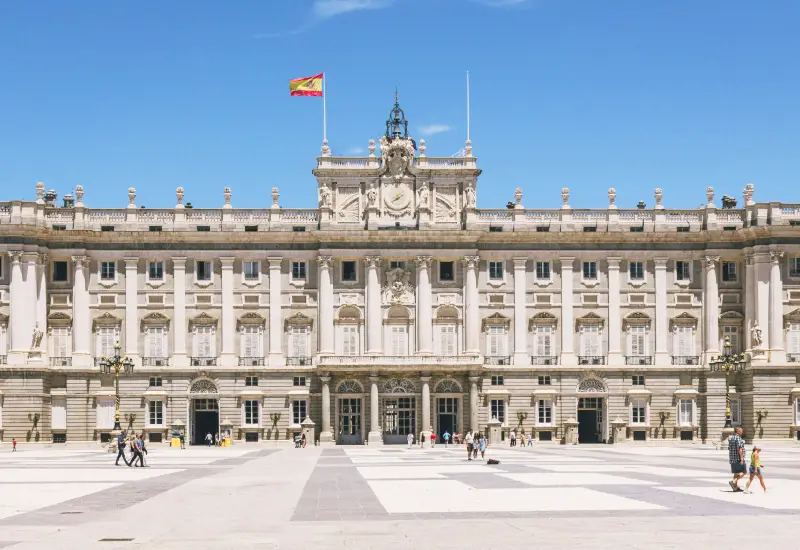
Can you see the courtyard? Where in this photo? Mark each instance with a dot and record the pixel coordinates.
(256, 497)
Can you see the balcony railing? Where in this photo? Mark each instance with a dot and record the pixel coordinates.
(251, 361)
(497, 360)
(61, 361)
(204, 361)
(544, 360)
(399, 360)
(638, 360)
(685, 360)
(793, 357)
(591, 360)
(3, 359)
(301, 361)
(155, 361)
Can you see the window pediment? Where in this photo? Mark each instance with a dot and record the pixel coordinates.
(155, 318)
(299, 320)
(590, 319)
(59, 319)
(542, 319)
(684, 319)
(349, 315)
(250, 320)
(203, 319)
(447, 315)
(107, 320)
(637, 318)
(448, 385)
(349, 386)
(791, 317)
(731, 318)
(398, 315)
(495, 320)
(399, 385)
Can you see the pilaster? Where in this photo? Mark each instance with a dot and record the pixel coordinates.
(777, 353)
(473, 403)
(614, 318)
(374, 320)
(662, 320)
(81, 318)
(471, 298)
(712, 307)
(426, 411)
(179, 329)
(374, 437)
(228, 355)
(326, 340)
(132, 309)
(424, 306)
(521, 356)
(17, 324)
(568, 357)
(326, 436)
(763, 267)
(275, 314)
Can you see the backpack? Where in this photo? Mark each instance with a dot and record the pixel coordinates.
(492, 461)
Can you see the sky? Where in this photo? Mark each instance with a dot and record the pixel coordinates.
(584, 94)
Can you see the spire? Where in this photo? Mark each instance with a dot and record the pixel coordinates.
(396, 125)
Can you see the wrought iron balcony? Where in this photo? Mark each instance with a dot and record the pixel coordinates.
(399, 360)
(204, 361)
(638, 360)
(61, 361)
(300, 361)
(685, 360)
(155, 361)
(591, 360)
(544, 360)
(251, 361)
(793, 357)
(497, 360)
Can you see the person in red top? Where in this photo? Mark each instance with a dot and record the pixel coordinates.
(433, 440)
(14, 444)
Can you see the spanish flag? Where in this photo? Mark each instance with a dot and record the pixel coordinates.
(310, 85)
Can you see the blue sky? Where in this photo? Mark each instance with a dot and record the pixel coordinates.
(585, 94)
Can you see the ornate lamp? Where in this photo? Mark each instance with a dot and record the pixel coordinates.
(116, 364)
(728, 364)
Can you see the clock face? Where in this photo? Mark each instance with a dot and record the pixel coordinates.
(397, 198)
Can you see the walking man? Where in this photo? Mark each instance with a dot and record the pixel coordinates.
(13, 444)
(446, 437)
(121, 450)
(137, 452)
(736, 456)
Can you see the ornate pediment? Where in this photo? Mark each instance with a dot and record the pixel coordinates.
(299, 320)
(155, 318)
(684, 318)
(398, 289)
(349, 386)
(349, 315)
(447, 385)
(637, 318)
(495, 320)
(590, 318)
(399, 385)
(203, 319)
(203, 386)
(792, 317)
(542, 319)
(250, 320)
(731, 318)
(107, 320)
(591, 382)
(59, 320)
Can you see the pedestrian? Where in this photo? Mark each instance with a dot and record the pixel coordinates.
(410, 439)
(736, 456)
(481, 445)
(421, 439)
(755, 469)
(470, 442)
(144, 450)
(530, 440)
(303, 441)
(433, 440)
(446, 437)
(13, 444)
(121, 450)
(183, 440)
(209, 439)
(216, 439)
(513, 437)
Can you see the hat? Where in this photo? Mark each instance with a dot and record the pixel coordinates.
(756, 448)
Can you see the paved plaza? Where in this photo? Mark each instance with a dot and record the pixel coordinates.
(255, 497)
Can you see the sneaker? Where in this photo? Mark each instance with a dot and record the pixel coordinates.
(737, 489)
(733, 485)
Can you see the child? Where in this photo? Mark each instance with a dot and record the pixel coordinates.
(14, 444)
(755, 469)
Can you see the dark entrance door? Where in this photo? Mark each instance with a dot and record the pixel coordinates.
(446, 424)
(205, 420)
(587, 426)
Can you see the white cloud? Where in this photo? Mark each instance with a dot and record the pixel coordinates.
(323, 9)
(431, 129)
(355, 151)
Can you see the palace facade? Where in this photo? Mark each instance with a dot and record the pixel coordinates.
(399, 307)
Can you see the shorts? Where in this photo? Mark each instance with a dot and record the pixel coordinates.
(755, 471)
(738, 468)
(469, 447)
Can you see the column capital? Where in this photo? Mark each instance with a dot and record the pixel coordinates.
(324, 262)
(15, 255)
(372, 262)
(520, 263)
(613, 263)
(81, 261)
(474, 379)
(275, 263)
(425, 378)
(373, 377)
(227, 262)
(775, 257)
(567, 262)
(710, 262)
(470, 262)
(179, 262)
(43, 256)
(661, 263)
(131, 263)
(749, 259)
(423, 261)
(325, 378)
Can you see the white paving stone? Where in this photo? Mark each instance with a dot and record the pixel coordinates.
(574, 479)
(17, 498)
(422, 472)
(122, 473)
(782, 494)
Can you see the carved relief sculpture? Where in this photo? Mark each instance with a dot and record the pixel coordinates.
(325, 196)
(756, 336)
(469, 194)
(398, 290)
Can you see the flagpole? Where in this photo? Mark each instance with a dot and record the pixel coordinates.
(324, 111)
(467, 105)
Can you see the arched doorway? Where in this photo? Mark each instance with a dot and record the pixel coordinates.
(399, 410)
(349, 413)
(203, 413)
(592, 410)
(448, 394)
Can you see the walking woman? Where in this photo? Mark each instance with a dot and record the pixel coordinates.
(481, 445)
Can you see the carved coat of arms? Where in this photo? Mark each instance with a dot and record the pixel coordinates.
(398, 290)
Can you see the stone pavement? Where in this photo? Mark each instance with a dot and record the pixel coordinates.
(370, 497)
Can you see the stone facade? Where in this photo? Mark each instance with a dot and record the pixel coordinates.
(398, 306)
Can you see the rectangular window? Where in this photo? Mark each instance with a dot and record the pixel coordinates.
(155, 342)
(155, 382)
(204, 341)
(636, 271)
(684, 341)
(736, 412)
(793, 338)
(350, 340)
(499, 409)
(683, 271)
(545, 380)
(590, 340)
(794, 267)
(58, 411)
(545, 412)
(155, 271)
(731, 334)
(349, 271)
(638, 411)
(252, 270)
(544, 341)
(397, 264)
(251, 341)
(495, 341)
(155, 413)
(637, 380)
(251, 412)
(497, 380)
(686, 412)
(61, 340)
(637, 341)
(447, 340)
(446, 272)
(543, 271)
(590, 270)
(729, 272)
(398, 340)
(298, 342)
(108, 271)
(106, 338)
(299, 381)
(251, 381)
(299, 411)
(496, 271)
(60, 272)
(298, 271)
(203, 270)
(104, 414)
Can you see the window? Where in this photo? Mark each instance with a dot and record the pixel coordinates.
(155, 271)
(543, 271)
(395, 264)
(154, 228)
(104, 413)
(60, 341)
(299, 381)
(350, 340)
(544, 415)
(251, 341)
(683, 229)
(203, 270)
(298, 342)
(252, 270)
(349, 271)
(590, 270)
(793, 338)
(636, 271)
(497, 380)
(637, 341)
(155, 413)
(155, 382)
(58, 414)
(544, 341)
(204, 341)
(729, 272)
(299, 411)
(398, 340)
(495, 341)
(106, 338)
(447, 340)
(731, 333)
(499, 409)
(736, 412)
(590, 340)
(250, 228)
(251, 381)
(298, 271)
(204, 228)
(794, 267)
(638, 411)
(60, 272)
(684, 341)
(545, 380)
(637, 380)
(496, 271)
(155, 342)
(446, 272)
(686, 412)
(251, 412)
(108, 271)
(683, 271)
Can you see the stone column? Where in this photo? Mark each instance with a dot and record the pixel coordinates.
(374, 410)
(763, 268)
(131, 308)
(712, 307)
(424, 306)
(521, 356)
(228, 322)
(749, 300)
(326, 341)
(179, 329)
(662, 320)
(326, 436)
(473, 321)
(275, 314)
(81, 318)
(473, 403)
(777, 353)
(374, 320)
(21, 333)
(426, 411)
(41, 301)
(615, 353)
(567, 317)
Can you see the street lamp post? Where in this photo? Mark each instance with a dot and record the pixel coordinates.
(728, 364)
(116, 364)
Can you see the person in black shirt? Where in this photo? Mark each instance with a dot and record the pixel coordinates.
(121, 449)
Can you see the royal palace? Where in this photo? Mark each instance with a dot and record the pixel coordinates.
(397, 306)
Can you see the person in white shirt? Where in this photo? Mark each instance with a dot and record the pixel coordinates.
(469, 440)
(410, 440)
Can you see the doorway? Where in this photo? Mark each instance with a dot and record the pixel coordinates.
(590, 420)
(205, 420)
(349, 421)
(446, 417)
(399, 419)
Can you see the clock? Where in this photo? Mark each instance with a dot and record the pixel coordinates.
(397, 197)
